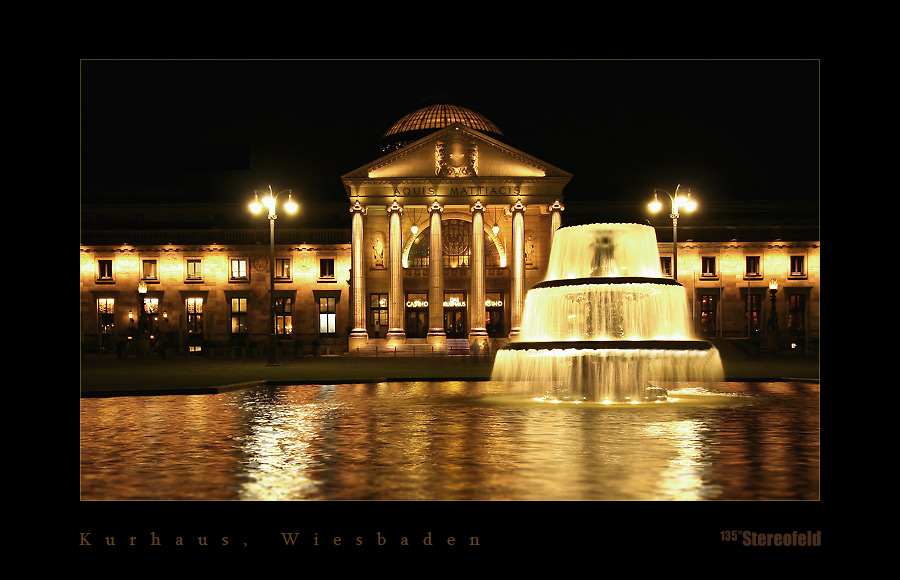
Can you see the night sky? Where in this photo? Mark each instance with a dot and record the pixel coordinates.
(215, 130)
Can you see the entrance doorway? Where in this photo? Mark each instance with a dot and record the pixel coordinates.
(455, 322)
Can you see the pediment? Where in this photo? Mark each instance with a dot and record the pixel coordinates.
(454, 152)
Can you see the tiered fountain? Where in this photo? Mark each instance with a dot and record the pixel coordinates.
(605, 325)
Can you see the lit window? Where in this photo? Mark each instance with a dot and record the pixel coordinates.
(194, 308)
(194, 272)
(238, 269)
(283, 322)
(283, 269)
(238, 316)
(106, 310)
(148, 270)
(327, 315)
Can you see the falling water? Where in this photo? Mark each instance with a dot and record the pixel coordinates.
(605, 325)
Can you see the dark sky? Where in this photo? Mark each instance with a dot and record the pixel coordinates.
(215, 130)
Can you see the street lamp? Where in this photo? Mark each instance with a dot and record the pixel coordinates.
(256, 207)
(677, 202)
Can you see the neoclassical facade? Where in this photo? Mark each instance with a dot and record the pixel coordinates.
(448, 233)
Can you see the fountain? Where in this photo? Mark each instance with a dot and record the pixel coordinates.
(605, 325)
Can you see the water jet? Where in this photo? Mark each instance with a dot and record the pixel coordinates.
(605, 325)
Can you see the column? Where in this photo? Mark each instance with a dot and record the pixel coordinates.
(358, 336)
(555, 219)
(477, 331)
(395, 333)
(436, 334)
(517, 268)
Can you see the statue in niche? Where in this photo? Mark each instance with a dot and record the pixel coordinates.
(603, 264)
(378, 251)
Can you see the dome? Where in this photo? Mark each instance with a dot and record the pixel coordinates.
(439, 116)
(427, 119)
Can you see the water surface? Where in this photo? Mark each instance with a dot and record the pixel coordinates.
(451, 441)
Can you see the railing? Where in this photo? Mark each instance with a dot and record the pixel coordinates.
(404, 350)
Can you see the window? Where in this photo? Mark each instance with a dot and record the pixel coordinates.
(194, 271)
(379, 307)
(239, 317)
(326, 268)
(709, 267)
(238, 269)
(283, 308)
(104, 270)
(708, 314)
(194, 308)
(796, 314)
(327, 315)
(148, 270)
(665, 265)
(751, 268)
(283, 269)
(798, 267)
(106, 310)
(752, 314)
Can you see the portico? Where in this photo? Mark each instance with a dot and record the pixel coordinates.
(448, 234)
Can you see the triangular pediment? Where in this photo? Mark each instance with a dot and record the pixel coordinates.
(456, 151)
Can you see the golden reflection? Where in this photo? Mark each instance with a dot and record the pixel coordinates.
(681, 478)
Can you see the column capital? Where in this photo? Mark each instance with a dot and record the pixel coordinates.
(356, 207)
(556, 206)
(395, 207)
(477, 207)
(518, 206)
(436, 207)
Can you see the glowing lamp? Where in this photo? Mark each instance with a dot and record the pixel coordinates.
(290, 205)
(655, 205)
(495, 229)
(688, 204)
(414, 229)
(256, 207)
(269, 202)
(773, 284)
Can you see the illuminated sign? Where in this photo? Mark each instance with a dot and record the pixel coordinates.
(493, 303)
(454, 303)
(417, 304)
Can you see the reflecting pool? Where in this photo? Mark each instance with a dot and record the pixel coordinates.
(451, 441)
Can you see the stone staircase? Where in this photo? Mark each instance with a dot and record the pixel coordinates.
(458, 347)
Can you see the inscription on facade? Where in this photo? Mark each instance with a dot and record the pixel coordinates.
(470, 190)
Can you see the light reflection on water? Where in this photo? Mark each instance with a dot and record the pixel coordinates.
(450, 441)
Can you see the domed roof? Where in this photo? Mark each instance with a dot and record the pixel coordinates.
(439, 116)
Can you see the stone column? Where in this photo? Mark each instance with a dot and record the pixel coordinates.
(477, 331)
(358, 336)
(395, 333)
(436, 334)
(517, 269)
(555, 219)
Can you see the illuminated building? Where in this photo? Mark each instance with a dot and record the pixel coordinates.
(446, 231)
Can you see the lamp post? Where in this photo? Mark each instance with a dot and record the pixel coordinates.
(677, 202)
(256, 207)
(772, 324)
